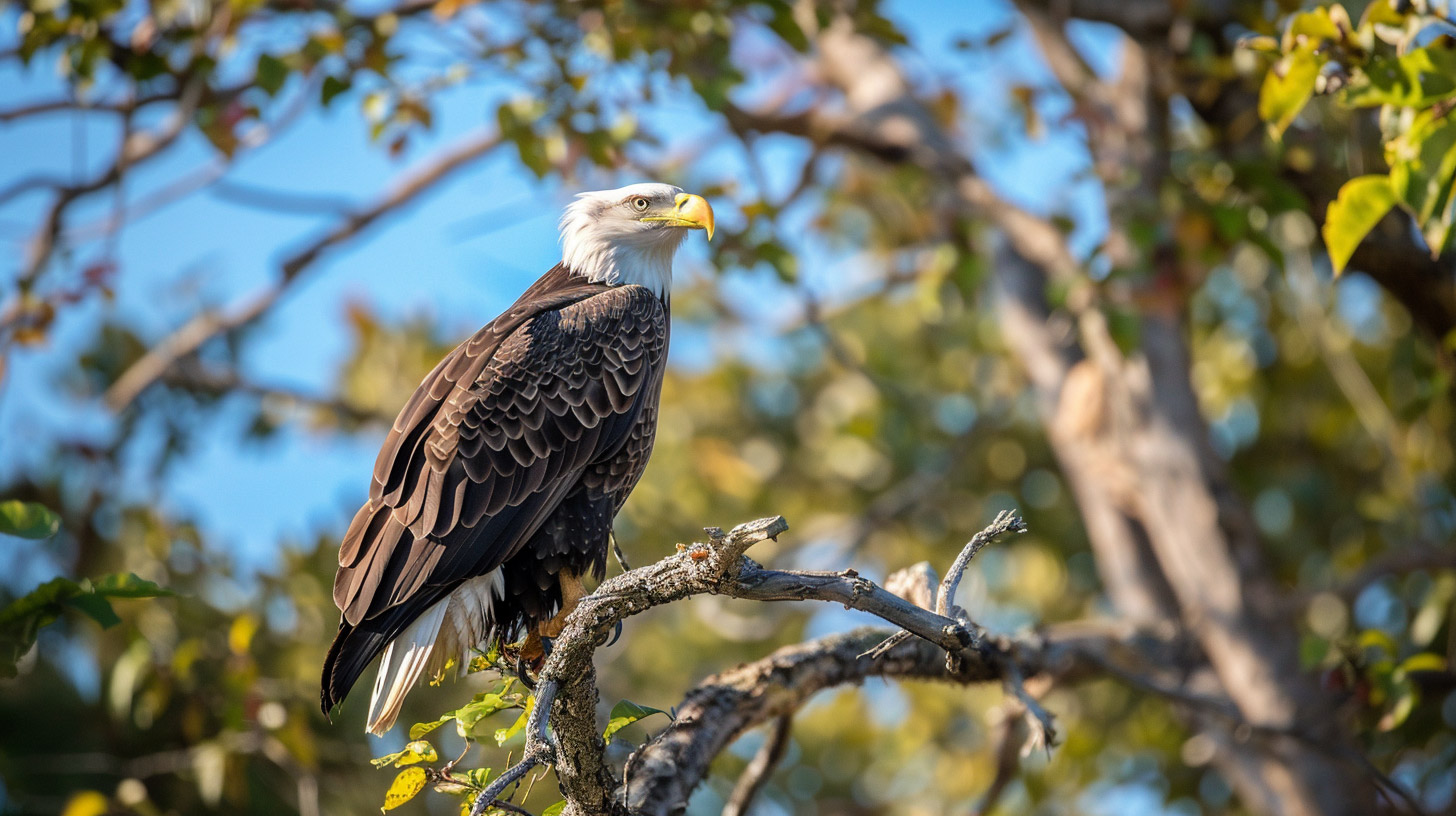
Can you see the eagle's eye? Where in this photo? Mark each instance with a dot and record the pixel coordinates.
(640, 204)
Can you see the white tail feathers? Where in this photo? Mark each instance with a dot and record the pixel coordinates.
(450, 628)
(398, 672)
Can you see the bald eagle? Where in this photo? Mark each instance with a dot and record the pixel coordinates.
(497, 486)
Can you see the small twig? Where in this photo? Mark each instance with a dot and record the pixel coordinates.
(1005, 522)
(1007, 752)
(1392, 789)
(887, 644)
(501, 804)
(531, 785)
(1046, 729)
(540, 750)
(756, 775)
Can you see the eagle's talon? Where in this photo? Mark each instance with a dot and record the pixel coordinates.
(616, 635)
(546, 644)
(523, 675)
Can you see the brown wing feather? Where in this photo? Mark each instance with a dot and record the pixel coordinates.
(492, 441)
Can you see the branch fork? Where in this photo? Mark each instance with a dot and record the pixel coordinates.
(660, 775)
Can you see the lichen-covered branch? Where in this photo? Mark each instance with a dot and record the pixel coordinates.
(660, 776)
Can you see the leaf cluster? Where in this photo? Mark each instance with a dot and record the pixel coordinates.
(1402, 62)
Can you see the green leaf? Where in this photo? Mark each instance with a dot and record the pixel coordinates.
(482, 706)
(1376, 639)
(783, 24)
(97, 608)
(1262, 43)
(22, 620)
(129, 585)
(413, 754)
(1423, 174)
(405, 786)
(27, 519)
(503, 735)
(1418, 79)
(1381, 14)
(1361, 204)
(1308, 29)
(1287, 88)
(271, 74)
(333, 86)
(555, 810)
(422, 728)
(624, 714)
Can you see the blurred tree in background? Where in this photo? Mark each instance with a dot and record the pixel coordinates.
(1207, 432)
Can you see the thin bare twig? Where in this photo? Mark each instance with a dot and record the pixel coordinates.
(214, 381)
(1046, 729)
(1005, 522)
(192, 335)
(756, 775)
(214, 172)
(1007, 752)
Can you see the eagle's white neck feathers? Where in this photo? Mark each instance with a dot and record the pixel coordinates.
(603, 241)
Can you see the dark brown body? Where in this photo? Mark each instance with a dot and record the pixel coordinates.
(515, 453)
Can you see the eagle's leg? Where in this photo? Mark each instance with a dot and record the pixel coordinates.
(533, 651)
(571, 594)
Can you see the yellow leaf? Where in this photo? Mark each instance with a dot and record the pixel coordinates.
(1287, 87)
(1361, 204)
(1374, 638)
(240, 634)
(1423, 661)
(86, 803)
(404, 787)
(1310, 28)
(420, 751)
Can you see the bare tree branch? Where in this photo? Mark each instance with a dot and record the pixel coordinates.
(221, 382)
(1141, 19)
(73, 105)
(1008, 750)
(190, 337)
(1429, 556)
(136, 147)
(660, 775)
(756, 775)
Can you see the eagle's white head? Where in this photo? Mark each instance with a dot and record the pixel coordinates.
(629, 235)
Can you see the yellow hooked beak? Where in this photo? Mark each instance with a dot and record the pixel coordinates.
(691, 211)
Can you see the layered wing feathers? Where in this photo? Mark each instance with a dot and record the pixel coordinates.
(489, 445)
(555, 395)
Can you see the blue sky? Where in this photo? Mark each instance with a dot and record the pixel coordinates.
(432, 259)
